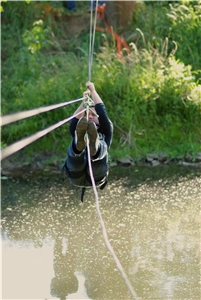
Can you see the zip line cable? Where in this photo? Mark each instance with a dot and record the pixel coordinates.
(30, 139)
(90, 45)
(92, 37)
(7, 119)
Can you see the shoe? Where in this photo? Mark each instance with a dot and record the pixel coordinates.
(93, 138)
(80, 132)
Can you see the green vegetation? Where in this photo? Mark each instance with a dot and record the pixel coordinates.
(153, 95)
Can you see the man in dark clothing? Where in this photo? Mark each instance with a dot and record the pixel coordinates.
(99, 130)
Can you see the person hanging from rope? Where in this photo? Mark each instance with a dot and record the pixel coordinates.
(99, 128)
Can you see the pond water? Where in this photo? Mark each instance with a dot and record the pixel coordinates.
(53, 245)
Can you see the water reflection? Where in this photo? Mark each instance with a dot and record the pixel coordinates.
(52, 244)
(64, 281)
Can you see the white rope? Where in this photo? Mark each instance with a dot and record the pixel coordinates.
(9, 150)
(108, 245)
(7, 119)
(90, 42)
(92, 37)
(107, 242)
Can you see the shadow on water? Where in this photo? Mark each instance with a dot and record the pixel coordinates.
(53, 245)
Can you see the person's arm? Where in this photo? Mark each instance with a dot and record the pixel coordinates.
(79, 109)
(95, 96)
(106, 126)
(72, 127)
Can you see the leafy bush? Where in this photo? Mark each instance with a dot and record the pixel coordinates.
(185, 30)
(179, 23)
(156, 100)
(151, 96)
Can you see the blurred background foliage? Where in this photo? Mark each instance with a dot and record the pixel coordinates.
(153, 95)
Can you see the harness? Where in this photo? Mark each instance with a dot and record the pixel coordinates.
(75, 175)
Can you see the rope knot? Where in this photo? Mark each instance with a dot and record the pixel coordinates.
(87, 101)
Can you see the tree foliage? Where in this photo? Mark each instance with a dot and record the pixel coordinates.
(152, 95)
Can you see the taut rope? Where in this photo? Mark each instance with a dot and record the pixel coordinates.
(92, 37)
(7, 119)
(9, 150)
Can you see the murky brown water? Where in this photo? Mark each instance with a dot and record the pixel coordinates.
(50, 241)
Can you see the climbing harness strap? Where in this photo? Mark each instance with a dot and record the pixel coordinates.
(76, 175)
(82, 194)
(72, 174)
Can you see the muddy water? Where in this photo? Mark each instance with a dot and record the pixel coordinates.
(53, 246)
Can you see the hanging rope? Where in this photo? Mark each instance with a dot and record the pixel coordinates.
(108, 245)
(107, 242)
(7, 119)
(30, 139)
(92, 37)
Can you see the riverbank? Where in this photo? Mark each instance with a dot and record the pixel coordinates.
(49, 163)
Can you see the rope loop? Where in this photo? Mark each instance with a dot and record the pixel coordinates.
(87, 104)
(87, 101)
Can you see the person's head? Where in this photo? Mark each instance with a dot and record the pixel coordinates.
(92, 116)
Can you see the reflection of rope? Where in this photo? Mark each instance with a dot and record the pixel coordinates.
(30, 139)
(4, 120)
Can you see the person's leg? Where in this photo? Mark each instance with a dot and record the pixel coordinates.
(101, 2)
(98, 152)
(100, 162)
(75, 166)
(75, 162)
(100, 168)
(71, 5)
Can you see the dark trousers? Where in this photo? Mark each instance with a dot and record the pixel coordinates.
(71, 5)
(78, 168)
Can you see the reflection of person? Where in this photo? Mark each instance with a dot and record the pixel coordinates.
(65, 281)
(100, 131)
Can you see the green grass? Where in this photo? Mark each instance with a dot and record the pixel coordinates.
(152, 96)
